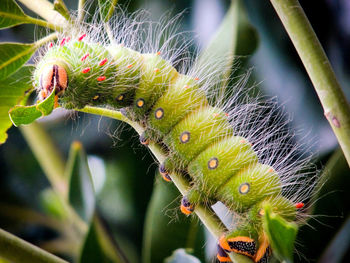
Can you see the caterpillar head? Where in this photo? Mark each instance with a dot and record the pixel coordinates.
(52, 76)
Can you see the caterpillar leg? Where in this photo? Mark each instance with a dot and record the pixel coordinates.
(222, 255)
(144, 139)
(186, 206)
(164, 172)
(264, 251)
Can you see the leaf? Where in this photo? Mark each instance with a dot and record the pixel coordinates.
(281, 234)
(11, 14)
(81, 193)
(180, 256)
(235, 36)
(107, 8)
(99, 245)
(21, 115)
(13, 56)
(13, 90)
(160, 241)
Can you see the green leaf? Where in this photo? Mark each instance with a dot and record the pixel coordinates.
(21, 115)
(281, 234)
(107, 8)
(235, 36)
(81, 192)
(180, 256)
(11, 14)
(99, 245)
(13, 91)
(13, 56)
(160, 241)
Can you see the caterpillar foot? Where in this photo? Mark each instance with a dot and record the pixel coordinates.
(186, 207)
(144, 139)
(164, 173)
(222, 255)
(240, 244)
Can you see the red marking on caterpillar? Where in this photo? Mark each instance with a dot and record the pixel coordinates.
(86, 70)
(130, 66)
(196, 78)
(68, 39)
(63, 41)
(158, 53)
(104, 61)
(299, 205)
(85, 56)
(50, 45)
(186, 87)
(156, 70)
(81, 37)
(101, 78)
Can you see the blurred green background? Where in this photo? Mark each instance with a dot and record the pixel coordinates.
(124, 172)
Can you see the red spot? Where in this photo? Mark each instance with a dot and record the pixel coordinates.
(50, 45)
(85, 70)
(101, 78)
(158, 53)
(63, 41)
(299, 205)
(85, 56)
(196, 78)
(104, 61)
(81, 37)
(130, 66)
(186, 87)
(68, 39)
(156, 70)
(226, 114)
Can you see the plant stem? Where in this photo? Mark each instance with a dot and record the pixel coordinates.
(47, 155)
(208, 217)
(46, 10)
(319, 69)
(15, 249)
(51, 162)
(42, 23)
(81, 7)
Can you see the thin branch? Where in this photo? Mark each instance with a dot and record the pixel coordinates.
(15, 249)
(336, 108)
(46, 10)
(207, 216)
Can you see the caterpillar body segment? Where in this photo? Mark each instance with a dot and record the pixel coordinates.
(200, 138)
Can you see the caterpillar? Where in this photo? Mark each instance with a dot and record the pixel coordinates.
(227, 149)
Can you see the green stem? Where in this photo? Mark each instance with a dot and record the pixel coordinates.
(207, 216)
(47, 155)
(319, 69)
(15, 249)
(51, 162)
(42, 23)
(81, 7)
(46, 10)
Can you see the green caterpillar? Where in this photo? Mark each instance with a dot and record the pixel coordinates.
(209, 143)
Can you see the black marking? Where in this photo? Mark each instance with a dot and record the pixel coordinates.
(243, 246)
(213, 163)
(185, 137)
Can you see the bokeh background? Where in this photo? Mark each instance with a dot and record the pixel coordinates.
(124, 172)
